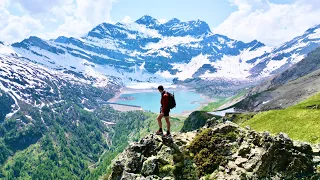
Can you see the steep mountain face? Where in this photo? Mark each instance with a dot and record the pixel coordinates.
(35, 85)
(286, 89)
(173, 49)
(147, 50)
(224, 151)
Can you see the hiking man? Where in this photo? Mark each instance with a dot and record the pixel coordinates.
(164, 111)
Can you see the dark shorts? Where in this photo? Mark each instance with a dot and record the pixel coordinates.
(165, 112)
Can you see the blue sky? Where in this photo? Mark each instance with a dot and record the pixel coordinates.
(270, 21)
(214, 12)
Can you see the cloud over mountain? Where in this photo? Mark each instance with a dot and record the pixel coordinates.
(270, 23)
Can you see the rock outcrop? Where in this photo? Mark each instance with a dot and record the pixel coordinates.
(224, 151)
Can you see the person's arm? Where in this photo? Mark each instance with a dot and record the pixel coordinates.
(165, 102)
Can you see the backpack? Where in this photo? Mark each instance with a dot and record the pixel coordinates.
(172, 101)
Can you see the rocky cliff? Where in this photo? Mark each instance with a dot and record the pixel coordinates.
(224, 151)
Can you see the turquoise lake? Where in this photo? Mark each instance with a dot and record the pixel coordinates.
(150, 101)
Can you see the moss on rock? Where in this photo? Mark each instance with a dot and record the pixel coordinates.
(210, 150)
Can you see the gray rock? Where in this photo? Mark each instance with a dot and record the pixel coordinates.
(254, 159)
(129, 176)
(211, 122)
(150, 177)
(165, 155)
(303, 147)
(225, 127)
(168, 178)
(240, 161)
(244, 150)
(316, 148)
(284, 136)
(251, 155)
(150, 166)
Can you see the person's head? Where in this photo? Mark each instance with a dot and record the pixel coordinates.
(160, 88)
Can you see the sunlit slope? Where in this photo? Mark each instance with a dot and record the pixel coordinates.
(300, 122)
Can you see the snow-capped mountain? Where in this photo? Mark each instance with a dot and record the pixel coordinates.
(146, 50)
(30, 83)
(287, 54)
(37, 71)
(150, 51)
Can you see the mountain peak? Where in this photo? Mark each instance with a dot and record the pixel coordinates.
(173, 21)
(198, 23)
(61, 39)
(311, 30)
(147, 20)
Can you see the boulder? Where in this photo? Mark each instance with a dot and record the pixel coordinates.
(150, 166)
(130, 176)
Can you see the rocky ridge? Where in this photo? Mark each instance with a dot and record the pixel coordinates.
(285, 89)
(224, 151)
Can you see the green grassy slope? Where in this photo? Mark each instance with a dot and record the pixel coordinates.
(214, 105)
(221, 101)
(300, 122)
(196, 120)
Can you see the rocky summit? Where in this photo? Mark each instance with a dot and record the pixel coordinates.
(225, 151)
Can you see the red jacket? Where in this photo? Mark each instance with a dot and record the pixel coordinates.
(164, 101)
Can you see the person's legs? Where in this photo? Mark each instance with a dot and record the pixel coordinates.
(159, 120)
(159, 132)
(168, 123)
(167, 118)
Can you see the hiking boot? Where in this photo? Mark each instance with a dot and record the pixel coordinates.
(167, 135)
(159, 132)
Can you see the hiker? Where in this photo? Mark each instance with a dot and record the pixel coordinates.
(164, 111)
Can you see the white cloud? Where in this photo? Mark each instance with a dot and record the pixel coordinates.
(14, 28)
(50, 19)
(80, 16)
(38, 6)
(270, 23)
(162, 21)
(255, 19)
(127, 20)
(4, 3)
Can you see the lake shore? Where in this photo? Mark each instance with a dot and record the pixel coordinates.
(127, 90)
